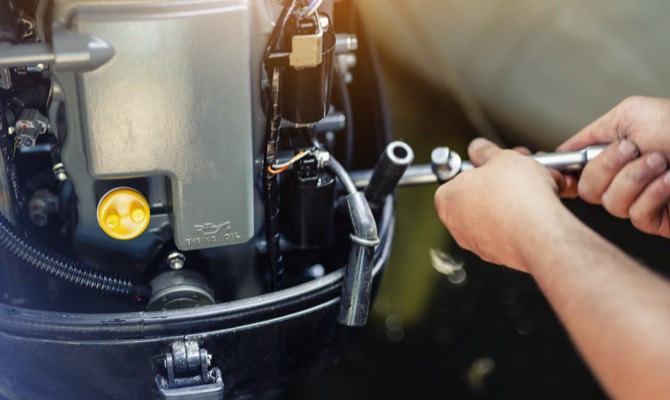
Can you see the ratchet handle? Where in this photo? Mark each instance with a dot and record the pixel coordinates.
(568, 161)
(446, 164)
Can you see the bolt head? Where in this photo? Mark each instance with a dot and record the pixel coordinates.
(446, 163)
(59, 172)
(39, 219)
(176, 260)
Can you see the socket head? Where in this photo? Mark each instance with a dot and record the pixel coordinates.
(446, 163)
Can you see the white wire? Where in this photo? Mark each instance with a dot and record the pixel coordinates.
(311, 9)
(293, 160)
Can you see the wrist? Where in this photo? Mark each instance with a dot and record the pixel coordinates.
(544, 239)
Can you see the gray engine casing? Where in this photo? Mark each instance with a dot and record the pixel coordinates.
(178, 104)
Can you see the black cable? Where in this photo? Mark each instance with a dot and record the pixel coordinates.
(273, 126)
(278, 36)
(8, 147)
(341, 90)
(343, 176)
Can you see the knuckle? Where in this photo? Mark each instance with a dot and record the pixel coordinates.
(614, 159)
(627, 112)
(585, 191)
(631, 103)
(643, 170)
(441, 198)
(614, 206)
(637, 174)
(610, 163)
(632, 100)
(643, 219)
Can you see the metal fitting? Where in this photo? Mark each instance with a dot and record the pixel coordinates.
(176, 260)
(29, 126)
(322, 158)
(345, 43)
(42, 204)
(59, 172)
(445, 163)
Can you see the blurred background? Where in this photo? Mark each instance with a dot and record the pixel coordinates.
(521, 72)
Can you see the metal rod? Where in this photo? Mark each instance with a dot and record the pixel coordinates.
(71, 52)
(567, 161)
(25, 54)
(415, 175)
(570, 161)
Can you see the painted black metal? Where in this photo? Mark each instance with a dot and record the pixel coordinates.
(260, 344)
(188, 374)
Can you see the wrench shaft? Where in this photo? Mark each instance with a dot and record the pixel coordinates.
(569, 161)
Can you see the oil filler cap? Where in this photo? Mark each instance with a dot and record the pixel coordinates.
(123, 213)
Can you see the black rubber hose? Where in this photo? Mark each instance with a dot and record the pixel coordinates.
(67, 270)
(390, 167)
(357, 282)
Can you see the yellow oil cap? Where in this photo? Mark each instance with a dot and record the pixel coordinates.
(123, 213)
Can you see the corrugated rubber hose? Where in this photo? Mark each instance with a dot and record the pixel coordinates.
(70, 271)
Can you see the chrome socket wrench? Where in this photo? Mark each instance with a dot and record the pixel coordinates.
(446, 164)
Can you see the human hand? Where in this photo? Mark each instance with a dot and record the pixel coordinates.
(630, 178)
(493, 210)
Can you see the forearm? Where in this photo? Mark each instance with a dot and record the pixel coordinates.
(617, 312)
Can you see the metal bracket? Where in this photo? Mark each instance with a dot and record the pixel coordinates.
(69, 52)
(188, 374)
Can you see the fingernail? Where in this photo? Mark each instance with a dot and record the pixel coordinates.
(627, 148)
(478, 144)
(655, 161)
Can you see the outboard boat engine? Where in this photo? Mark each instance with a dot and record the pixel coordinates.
(177, 217)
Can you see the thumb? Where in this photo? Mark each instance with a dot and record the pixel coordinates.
(481, 150)
(605, 129)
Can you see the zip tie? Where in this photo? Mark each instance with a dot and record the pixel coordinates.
(364, 242)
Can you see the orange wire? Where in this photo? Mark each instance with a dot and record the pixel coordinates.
(285, 167)
(277, 171)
